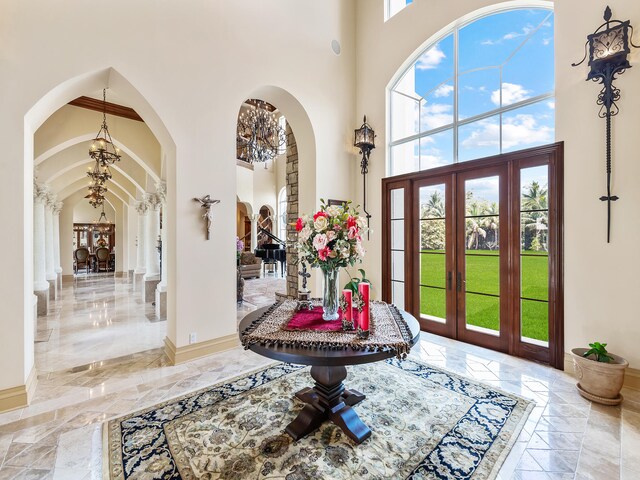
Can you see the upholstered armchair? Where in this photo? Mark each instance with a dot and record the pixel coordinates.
(250, 265)
(102, 259)
(81, 259)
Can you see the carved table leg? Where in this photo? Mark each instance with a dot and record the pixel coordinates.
(328, 399)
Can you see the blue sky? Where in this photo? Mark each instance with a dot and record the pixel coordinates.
(519, 45)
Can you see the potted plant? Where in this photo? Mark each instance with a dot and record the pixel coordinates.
(600, 374)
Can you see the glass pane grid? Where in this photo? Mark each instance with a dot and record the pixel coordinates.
(534, 255)
(502, 79)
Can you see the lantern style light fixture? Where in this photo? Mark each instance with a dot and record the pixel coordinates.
(102, 215)
(102, 149)
(608, 49)
(364, 139)
(259, 137)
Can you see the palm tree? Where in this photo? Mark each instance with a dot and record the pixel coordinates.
(535, 215)
(434, 208)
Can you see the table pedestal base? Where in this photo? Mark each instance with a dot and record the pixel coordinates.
(329, 400)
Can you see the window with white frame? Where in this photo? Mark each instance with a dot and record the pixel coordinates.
(484, 88)
(391, 7)
(282, 214)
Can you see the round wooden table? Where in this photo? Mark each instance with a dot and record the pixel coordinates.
(328, 399)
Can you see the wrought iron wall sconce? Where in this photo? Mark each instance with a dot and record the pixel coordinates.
(365, 141)
(608, 48)
(206, 203)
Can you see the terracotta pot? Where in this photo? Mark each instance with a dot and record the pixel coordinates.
(598, 381)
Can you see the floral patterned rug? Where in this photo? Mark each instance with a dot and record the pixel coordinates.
(427, 423)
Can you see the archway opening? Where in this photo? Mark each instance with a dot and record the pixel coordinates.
(105, 267)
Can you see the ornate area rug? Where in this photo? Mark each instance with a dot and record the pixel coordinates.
(427, 424)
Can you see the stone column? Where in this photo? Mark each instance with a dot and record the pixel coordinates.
(161, 289)
(254, 231)
(142, 208)
(48, 246)
(40, 284)
(57, 208)
(292, 213)
(152, 259)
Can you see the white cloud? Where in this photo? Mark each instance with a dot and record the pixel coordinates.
(443, 91)
(511, 93)
(551, 105)
(430, 59)
(435, 115)
(517, 131)
(526, 30)
(546, 41)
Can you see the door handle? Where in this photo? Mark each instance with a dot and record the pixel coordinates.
(449, 280)
(459, 281)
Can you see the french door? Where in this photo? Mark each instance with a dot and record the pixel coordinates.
(473, 251)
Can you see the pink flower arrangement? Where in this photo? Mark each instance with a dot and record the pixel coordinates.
(332, 237)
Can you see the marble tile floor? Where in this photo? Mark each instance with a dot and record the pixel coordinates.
(566, 437)
(96, 315)
(260, 292)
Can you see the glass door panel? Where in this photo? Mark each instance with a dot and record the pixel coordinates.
(433, 253)
(481, 276)
(534, 255)
(482, 254)
(397, 247)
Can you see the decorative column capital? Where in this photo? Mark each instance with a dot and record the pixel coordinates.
(161, 191)
(153, 200)
(57, 207)
(142, 207)
(40, 192)
(51, 200)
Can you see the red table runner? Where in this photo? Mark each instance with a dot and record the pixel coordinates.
(311, 320)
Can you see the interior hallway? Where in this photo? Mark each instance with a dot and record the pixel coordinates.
(97, 317)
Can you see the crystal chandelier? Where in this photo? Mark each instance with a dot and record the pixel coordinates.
(102, 150)
(259, 137)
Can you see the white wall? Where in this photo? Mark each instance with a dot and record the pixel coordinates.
(601, 280)
(187, 88)
(83, 212)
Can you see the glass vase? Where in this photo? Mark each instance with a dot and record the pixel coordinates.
(330, 299)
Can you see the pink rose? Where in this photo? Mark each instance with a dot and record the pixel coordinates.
(320, 241)
(353, 233)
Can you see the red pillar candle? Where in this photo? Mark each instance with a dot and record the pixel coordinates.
(347, 314)
(363, 316)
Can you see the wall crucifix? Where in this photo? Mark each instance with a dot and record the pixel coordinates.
(206, 203)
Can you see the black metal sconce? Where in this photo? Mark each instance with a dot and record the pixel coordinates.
(365, 141)
(608, 48)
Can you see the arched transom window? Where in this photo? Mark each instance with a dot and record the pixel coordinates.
(484, 88)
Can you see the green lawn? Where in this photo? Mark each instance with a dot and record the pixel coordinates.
(483, 277)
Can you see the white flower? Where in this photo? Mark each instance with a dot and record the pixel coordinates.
(305, 233)
(320, 241)
(334, 210)
(359, 249)
(361, 222)
(331, 235)
(320, 223)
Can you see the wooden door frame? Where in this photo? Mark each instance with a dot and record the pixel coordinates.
(552, 155)
(498, 342)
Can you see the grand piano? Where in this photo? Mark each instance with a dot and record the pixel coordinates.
(272, 252)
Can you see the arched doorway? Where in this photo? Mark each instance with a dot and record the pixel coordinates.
(125, 316)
